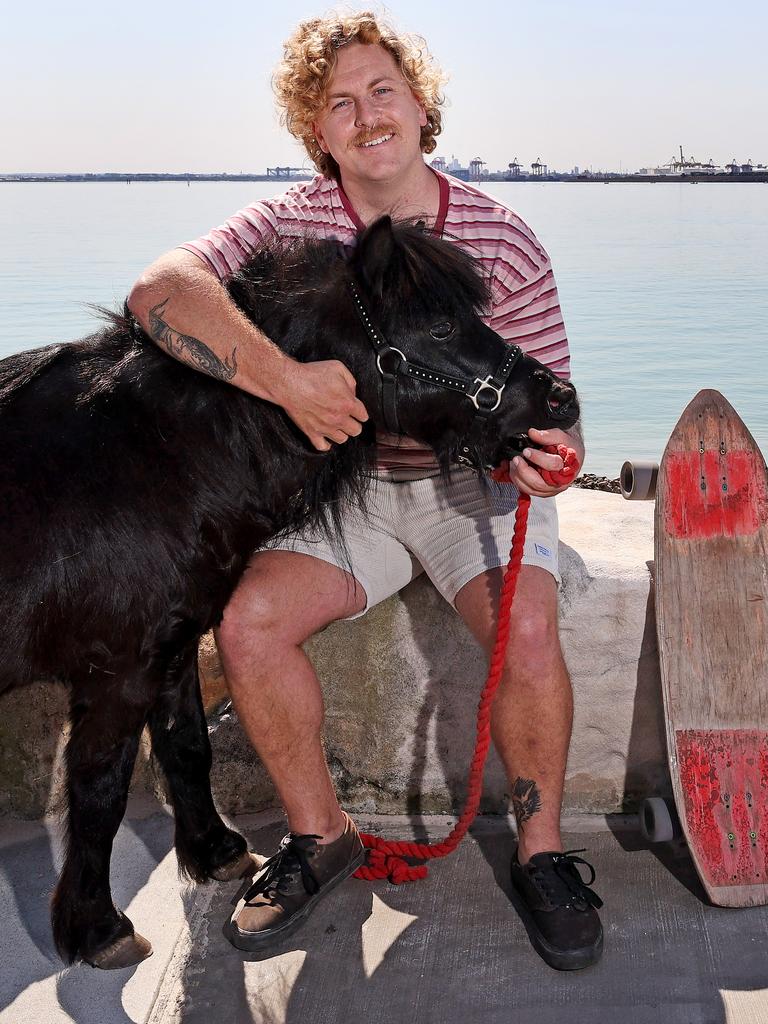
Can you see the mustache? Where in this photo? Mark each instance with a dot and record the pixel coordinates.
(370, 135)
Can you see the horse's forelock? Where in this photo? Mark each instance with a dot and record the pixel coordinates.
(443, 274)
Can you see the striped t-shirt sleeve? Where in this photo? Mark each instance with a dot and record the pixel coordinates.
(527, 313)
(227, 247)
(525, 308)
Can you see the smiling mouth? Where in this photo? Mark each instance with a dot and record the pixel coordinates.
(376, 142)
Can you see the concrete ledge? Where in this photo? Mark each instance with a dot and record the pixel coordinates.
(401, 689)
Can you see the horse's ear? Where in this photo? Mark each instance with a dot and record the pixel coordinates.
(375, 252)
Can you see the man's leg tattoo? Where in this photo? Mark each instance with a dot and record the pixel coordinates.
(526, 800)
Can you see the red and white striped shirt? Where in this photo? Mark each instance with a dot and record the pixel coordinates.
(525, 309)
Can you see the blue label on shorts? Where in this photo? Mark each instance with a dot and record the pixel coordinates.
(543, 551)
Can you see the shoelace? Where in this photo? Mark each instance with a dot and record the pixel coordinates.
(573, 887)
(290, 859)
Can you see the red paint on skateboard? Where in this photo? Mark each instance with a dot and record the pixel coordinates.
(714, 494)
(724, 778)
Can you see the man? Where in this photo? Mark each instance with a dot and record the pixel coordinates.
(365, 102)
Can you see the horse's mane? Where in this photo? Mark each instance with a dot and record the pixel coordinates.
(284, 271)
(20, 369)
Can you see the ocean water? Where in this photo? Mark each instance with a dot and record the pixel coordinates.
(664, 287)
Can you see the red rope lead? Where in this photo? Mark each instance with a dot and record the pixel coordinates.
(385, 856)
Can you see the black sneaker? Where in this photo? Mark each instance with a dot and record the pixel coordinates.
(558, 909)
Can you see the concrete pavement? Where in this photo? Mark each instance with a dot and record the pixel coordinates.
(446, 949)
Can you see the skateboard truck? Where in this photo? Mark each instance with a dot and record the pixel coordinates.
(638, 480)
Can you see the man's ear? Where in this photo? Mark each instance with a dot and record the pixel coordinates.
(375, 253)
(319, 137)
(423, 119)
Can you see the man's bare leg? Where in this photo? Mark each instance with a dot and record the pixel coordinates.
(532, 713)
(283, 599)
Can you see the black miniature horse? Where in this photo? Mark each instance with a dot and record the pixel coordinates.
(133, 490)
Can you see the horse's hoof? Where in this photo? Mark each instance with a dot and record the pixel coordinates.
(245, 864)
(127, 951)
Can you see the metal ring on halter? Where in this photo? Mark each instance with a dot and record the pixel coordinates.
(485, 385)
(385, 352)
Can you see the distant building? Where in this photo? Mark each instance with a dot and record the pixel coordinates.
(658, 171)
(438, 163)
(454, 168)
(283, 173)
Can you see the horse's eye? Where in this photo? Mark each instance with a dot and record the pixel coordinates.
(442, 331)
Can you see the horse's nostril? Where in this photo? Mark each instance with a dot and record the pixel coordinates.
(560, 400)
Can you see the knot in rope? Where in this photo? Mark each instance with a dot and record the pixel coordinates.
(389, 865)
(570, 465)
(555, 478)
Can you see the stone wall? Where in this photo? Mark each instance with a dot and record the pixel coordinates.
(401, 688)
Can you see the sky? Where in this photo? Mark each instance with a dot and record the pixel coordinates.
(185, 86)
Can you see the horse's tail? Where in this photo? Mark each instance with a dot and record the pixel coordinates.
(17, 371)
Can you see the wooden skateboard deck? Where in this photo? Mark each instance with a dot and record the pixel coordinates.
(711, 549)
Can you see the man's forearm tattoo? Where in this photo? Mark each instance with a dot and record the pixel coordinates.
(526, 799)
(188, 349)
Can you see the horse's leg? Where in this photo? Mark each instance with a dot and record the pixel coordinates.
(206, 848)
(107, 719)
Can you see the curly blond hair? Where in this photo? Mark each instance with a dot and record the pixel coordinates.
(301, 78)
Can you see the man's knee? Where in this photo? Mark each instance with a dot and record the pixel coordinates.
(249, 615)
(534, 646)
(284, 598)
(534, 627)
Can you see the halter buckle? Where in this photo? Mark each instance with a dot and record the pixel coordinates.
(484, 384)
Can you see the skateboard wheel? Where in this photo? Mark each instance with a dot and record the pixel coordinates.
(638, 480)
(656, 822)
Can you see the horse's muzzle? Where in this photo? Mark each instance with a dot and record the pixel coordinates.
(562, 403)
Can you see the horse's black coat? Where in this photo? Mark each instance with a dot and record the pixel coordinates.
(133, 489)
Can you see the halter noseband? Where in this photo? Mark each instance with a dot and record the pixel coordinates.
(484, 392)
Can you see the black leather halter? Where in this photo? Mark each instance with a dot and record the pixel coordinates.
(484, 392)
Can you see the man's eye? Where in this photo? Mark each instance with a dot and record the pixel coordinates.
(341, 103)
(384, 88)
(442, 331)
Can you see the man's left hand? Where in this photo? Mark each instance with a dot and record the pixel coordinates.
(522, 471)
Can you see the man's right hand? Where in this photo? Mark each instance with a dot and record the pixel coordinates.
(320, 399)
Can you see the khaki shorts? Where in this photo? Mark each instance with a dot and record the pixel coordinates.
(453, 531)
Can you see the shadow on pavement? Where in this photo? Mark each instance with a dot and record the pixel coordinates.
(29, 870)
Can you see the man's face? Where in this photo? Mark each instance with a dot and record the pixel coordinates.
(371, 122)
